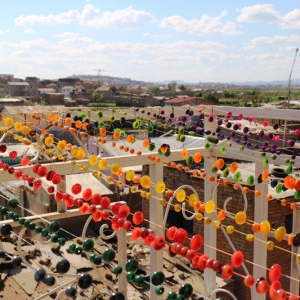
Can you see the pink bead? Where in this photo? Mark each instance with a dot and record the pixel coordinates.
(251, 119)
(240, 116)
(297, 132)
(265, 123)
(229, 114)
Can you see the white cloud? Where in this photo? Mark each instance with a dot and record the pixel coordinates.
(29, 31)
(91, 16)
(65, 35)
(267, 13)
(205, 26)
(258, 13)
(224, 13)
(4, 31)
(277, 39)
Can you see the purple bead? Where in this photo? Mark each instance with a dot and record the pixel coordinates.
(244, 143)
(163, 118)
(148, 113)
(235, 127)
(213, 134)
(199, 129)
(291, 143)
(171, 115)
(248, 144)
(222, 136)
(142, 111)
(232, 133)
(295, 152)
(187, 112)
(220, 122)
(275, 126)
(246, 129)
(274, 146)
(228, 138)
(261, 133)
(169, 120)
(162, 112)
(228, 125)
(270, 135)
(237, 140)
(263, 149)
(256, 146)
(191, 113)
(245, 137)
(210, 119)
(207, 132)
(266, 143)
(218, 129)
(278, 152)
(154, 115)
(201, 116)
(293, 156)
(137, 109)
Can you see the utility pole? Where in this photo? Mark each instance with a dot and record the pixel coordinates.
(98, 76)
(287, 98)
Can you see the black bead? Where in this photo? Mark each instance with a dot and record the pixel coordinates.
(63, 266)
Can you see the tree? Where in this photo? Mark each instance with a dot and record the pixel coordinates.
(182, 88)
(210, 96)
(154, 89)
(198, 94)
(228, 93)
(252, 96)
(96, 96)
(113, 89)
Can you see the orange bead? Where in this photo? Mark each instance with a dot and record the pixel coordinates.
(44, 131)
(126, 149)
(269, 197)
(139, 153)
(78, 124)
(146, 143)
(179, 167)
(84, 125)
(235, 186)
(113, 144)
(290, 239)
(68, 121)
(202, 207)
(246, 189)
(283, 202)
(202, 175)
(102, 131)
(297, 185)
(286, 182)
(264, 176)
(293, 206)
(50, 116)
(121, 147)
(256, 227)
(225, 182)
(292, 183)
(220, 163)
(131, 151)
(173, 164)
(136, 179)
(195, 172)
(184, 153)
(186, 169)
(116, 135)
(257, 193)
(157, 159)
(212, 178)
(130, 138)
(84, 134)
(222, 215)
(103, 141)
(169, 193)
(197, 157)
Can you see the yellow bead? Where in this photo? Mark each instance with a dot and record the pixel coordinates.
(73, 163)
(133, 189)
(114, 168)
(192, 200)
(119, 183)
(198, 216)
(8, 122)
(81, 167)
(143, 194)
(250, 237)
(280, 233)
(110, 179)
(99, 174)
(265, 227)
(148, 196)
(298, 258)
(160, 187)
(177, 208)
(95, 173)
(240, 218)
(93, 160)
(60, 157)
(102, 164)
(15, 136)
(163, 202)
(129, 175)
(230, 229)
(208, 220)
(217, 224)
(210, 206)
(86, 168)
(145, 182)
(180, 195)
(270, 245)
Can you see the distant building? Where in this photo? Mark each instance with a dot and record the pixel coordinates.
(105, 90)
(67, 91)
(33, 86)
(62, 82)
(16, 89)
(6, 77)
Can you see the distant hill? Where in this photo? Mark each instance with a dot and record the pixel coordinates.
(283, 83)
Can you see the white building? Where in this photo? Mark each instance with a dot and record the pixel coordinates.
(68, 90)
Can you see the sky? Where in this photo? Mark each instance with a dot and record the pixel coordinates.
(193, 41)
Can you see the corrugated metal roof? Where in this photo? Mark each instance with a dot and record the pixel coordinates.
(18, 83)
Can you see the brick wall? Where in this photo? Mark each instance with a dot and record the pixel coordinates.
(277, 216)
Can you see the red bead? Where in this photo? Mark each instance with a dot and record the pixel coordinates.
(262, 286)
(195, 261)
(180, 235)
(136, 233)
(190, 254)
(25, 161)
(87, 194)
(50, 175)
(170, 232)
(59, 196)
(293, 297)
(97, 215)
(96, 199)
(121, 222)
(105, 215)
(5, 167)
(30, 179)
(69, 201)
(105, 202)
(92, 209)
(13, 155)
(78, 202)
(56, 179)
(3, 148)
(42, 171)
(25, 177)
(37, 184)
(196, 242)
(114, 223)
(137, 218)
(202, 262)
(276, 285)
(115, 207)
(11, 170)
(237, 259)
(50, 189)
(84, 208)
(35, 168)
(209, 263)
(145, 233)
(280, 294)
(170, 252)
(275, 272)
(249, 280)
(123, 211)
(227, 272)
(184, 250)
(127, 225)
(76, 188)
(18, 174)
(173, 247)
(216, 266)
(149, 239)
(159, 243)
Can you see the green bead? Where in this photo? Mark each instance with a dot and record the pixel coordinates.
(289, 170)
(54, 227)
(78, 250)
(139, 280)
(292, 162)
(72, 248)
(237, 176)
(186, 290)
(118, 270)
(172, 296)
(242, 148)
(92, 257)
(22, 221)
(31, 226)
(207, 145)
(297, 195)
(265, 161)
(158, 278)
(3, 211)
(44, 233)
(61, 241)
(225, 172)
(132, 265)
(159, 290)
(16, 217)
(97, 260)
(263, 154)
(38, 229)
(54, 238)
(214, 169)
(287, 160)
(167, 153)
(180, 297)
(88, 245)
(279, 188)
(223, 149)
(251, 180)
(10, 215)
(273, 156)
(12, 203)
(109, 255)
(26, 223)
(130, 276)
